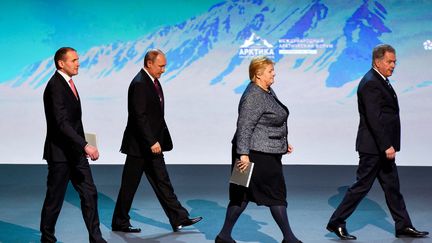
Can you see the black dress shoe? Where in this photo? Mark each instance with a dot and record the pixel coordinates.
(410, 232)
(219, 240)
(128, 229)
(299, 241)
(185, 223)
(341, 232)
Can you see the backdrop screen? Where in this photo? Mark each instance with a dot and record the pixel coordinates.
(321, 50)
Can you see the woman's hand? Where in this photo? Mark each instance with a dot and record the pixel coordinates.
(290, 148)
(243, 163)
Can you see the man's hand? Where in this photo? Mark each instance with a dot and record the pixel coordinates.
(91, 152)
(156, 148)
(390, 153)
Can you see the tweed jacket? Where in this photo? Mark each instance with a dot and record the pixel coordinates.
(262, 122)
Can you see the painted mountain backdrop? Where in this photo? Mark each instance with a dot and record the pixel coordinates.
(321, 50)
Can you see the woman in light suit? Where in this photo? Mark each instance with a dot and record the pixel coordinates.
(261, 138)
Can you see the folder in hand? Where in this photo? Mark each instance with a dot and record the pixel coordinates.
(91, 139)
(241, 178)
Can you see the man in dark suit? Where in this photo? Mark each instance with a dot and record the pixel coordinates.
(66, 149)
(378, 140)
(145, 138)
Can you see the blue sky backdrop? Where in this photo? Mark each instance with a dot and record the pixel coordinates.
(34, 30)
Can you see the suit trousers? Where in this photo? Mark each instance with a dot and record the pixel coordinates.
(157, 175)
(59, 175)
(373, 166)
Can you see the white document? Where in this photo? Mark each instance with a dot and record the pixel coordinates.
(91, 139)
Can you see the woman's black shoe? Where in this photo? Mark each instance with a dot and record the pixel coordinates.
(219, 240)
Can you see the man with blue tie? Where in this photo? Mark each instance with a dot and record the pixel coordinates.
(378, 140)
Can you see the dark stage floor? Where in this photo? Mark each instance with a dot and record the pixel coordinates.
(313, 193)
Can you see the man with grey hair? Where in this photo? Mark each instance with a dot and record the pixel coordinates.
(145, 138)
(378, 140)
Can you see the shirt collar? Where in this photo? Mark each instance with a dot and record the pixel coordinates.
(65, 76)
(151, 77)
(382, 76)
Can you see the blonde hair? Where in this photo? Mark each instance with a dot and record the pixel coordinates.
(258, 64)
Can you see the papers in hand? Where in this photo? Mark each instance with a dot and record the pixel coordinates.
(241, 178)
(91, 139)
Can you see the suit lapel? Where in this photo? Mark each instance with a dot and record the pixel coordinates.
(383, 82)
(389, 88)
(386, 87)
(68, 89)
(152, 89)
(65, 84)
(278, 101)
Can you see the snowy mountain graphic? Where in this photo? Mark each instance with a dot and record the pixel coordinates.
(361, 33)
(256, 41)
(233, 24)
(206, 75)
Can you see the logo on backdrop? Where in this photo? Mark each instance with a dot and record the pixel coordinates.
(302, 46)
(427, 45)
(256, 46)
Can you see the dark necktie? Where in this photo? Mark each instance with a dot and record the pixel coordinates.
(159, 92)
(72, 85)
(390, 86)
(388, 83)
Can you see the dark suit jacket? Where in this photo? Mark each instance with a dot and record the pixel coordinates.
(379, 126)
(146, 124)
(65, 134)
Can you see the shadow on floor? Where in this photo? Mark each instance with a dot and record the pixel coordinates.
(106, 208)
(368, 212)
(246, 228)
(17, 234)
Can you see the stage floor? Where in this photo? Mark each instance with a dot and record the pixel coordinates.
(313, 194)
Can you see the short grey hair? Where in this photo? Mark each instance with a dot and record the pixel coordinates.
(380, 50)
(151, 55)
